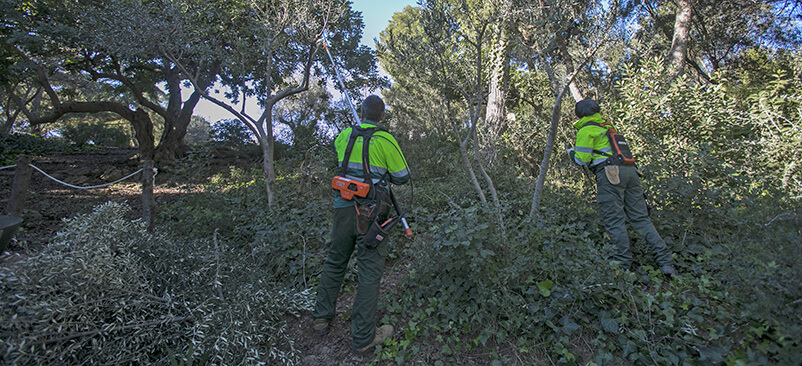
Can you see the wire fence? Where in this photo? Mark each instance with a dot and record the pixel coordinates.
(155, 171)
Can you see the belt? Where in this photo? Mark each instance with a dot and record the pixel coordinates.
(598, 167)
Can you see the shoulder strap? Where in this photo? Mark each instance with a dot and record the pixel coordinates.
(606, 125)
(366, 134)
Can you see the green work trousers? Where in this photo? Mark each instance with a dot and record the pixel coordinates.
(370, 265)
(623, 201)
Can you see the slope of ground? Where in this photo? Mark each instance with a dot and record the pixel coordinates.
(49, 202)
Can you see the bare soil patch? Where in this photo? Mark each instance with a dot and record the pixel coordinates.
(49, 202)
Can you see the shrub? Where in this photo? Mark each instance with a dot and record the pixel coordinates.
(232, 133)
(198, 131)
(23, 144)
(105, 291)
(546, 290)
(98, 134)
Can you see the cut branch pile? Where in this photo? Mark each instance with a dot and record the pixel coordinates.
(107, 292)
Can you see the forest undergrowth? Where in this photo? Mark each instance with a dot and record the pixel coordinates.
(217, 280)
(223, 275)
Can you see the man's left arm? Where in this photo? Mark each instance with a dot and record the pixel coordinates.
(397, 168)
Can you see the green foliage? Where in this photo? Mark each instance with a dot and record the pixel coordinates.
(232, 133)
(719, 164)
(529, 123)
(704, 138)
(86, 297)
(199, 131)
(106, 291)
(712, 161)
(231, 204)
(544, 290)
(98, 134)
(471, 290)
(755, 69)
(24, 144)
(777, 114)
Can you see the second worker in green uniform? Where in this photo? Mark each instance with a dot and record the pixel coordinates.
(619, 193)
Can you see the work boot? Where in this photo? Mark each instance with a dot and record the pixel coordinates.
(382, 334)
(668, 270)
(321, 326)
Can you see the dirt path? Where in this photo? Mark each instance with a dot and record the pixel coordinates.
(335, 347)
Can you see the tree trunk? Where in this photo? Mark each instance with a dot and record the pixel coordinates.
(266, 143)
(148, 201)
(11, 117)
(466, 160)
(496, 113)
(679, 47)
(568, 61)
(555, 119)
(463, 149)
(172, 145)
(493, 194)
(544, 165)
(168, 153)
(143, 132)
(19, 188)
(474, 117)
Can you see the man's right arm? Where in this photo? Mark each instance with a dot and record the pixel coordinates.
(583, 151)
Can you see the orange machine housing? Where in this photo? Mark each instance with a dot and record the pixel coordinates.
(349, 188)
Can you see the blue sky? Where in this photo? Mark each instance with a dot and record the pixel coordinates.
(375, 15)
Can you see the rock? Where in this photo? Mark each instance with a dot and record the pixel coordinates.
(223, 152)
(60, 175)
(84, 170)
(79, 181)
(112, 173)
(31, 215)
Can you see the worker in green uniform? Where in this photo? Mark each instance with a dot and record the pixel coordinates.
(387, 165)
(619, 193)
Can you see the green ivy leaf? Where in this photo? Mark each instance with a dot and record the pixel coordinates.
(608, 323)
(568, 326)
(713, 354)
(627, 345)
(545, 287)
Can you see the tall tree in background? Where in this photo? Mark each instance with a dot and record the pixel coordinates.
(679, 46)
(718, 31)
(302, 113)
(123, 47)
(278, 45)
(444, 44)
(499, 55)
(166, 37)
(548, 31)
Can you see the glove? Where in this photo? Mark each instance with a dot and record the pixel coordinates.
(570, 153)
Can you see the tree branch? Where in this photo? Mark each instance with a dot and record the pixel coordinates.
(137, 92)
(109, 330)
(555, 119)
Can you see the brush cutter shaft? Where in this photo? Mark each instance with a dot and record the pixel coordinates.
(340, 79)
